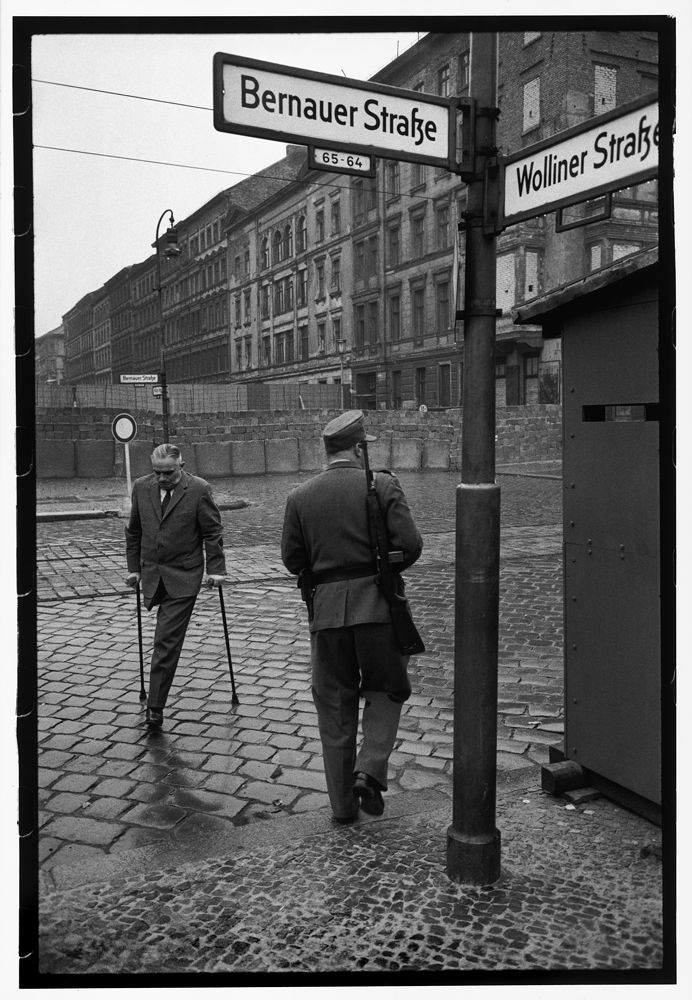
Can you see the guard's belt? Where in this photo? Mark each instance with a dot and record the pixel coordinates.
(343, 573)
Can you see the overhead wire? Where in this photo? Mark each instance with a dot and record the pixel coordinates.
(183, 166)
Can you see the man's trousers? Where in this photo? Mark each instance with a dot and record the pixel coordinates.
(171, 625)
(348, 663)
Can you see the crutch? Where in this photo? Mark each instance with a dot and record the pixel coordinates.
(234, 697)
(142, 691)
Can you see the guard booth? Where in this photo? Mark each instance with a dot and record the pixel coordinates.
(608, 323)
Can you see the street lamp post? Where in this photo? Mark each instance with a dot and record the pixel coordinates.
(171, 250)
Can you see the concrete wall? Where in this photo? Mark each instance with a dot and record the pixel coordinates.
(79, 443)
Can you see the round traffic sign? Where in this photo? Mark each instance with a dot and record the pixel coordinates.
(124, 427)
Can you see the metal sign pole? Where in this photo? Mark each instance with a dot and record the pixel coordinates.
(473, 842)
(127, 468)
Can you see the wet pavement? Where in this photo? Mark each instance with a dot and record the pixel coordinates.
(187, 809)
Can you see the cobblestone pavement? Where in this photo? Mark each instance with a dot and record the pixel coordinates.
(580, 890)
(107, 785)
(208, 847)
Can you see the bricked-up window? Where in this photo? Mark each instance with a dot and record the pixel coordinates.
(359, 326)
(417, 175)
(624, 249)
(595, 256)
(464, 70)
(418, 312)
(371, 321)
(302, 234)
(604, 89)
(505, 286)
(236, 310)
(290, 348)
(394, 311)
(335, 286)
(532, 104)
(392, 179)
(319, 275)
(420, 386)
(304, 342)
(279, 354)
(302, 288)
(396, 390)
(443, 81)
(442, 227)
(247, 353)
(336, 217)
(531, 274)
(266, 351)
(418, 235)
(238, 353)
(336, 330)
(264, 301)
(442, 306)
(319, 224)
(393, 246)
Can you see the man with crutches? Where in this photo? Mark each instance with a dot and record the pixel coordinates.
(174, 527)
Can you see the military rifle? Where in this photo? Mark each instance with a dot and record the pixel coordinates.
(389, 580)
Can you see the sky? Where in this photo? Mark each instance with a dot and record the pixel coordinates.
(94, 214)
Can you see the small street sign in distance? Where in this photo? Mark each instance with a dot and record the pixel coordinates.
(148, 379)
(341, 162)
(276, 102)
(603, 154)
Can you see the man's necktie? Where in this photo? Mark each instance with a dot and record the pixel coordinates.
(165, 502)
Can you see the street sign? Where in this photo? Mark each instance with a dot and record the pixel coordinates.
(124, 428)
(270, 101)
(157, 391)
(138, 379)
(603, 154)
(341, 161)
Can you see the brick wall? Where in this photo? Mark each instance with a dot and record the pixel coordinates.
(407, 438)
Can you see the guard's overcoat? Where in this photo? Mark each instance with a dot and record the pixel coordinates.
(173, 548)
(326, 528)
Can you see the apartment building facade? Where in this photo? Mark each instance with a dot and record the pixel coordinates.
(304, 275)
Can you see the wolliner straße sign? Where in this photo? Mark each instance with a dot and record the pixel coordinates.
(603, 154)
(295, 105)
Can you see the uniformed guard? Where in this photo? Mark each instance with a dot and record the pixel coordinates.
(327, 541)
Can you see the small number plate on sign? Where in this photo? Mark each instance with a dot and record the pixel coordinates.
(341, 161)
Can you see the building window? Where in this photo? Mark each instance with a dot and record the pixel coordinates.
(443, 81)
(358, 201)
(393, 245)
(304, 342)
(279, 355)
(236, 310)
(336, 330)
(531, 275)
(395, 318)
(595, 256)
(288, 241)
(442, 306)
(418, 312)
(366, 258)
(302, 234)
(264, 301)
(420, 386)
(419, 86)
(464, 70)
(392, 179)
(418, 235)
(532, 104)
(290, 346)
(442, 227)
(396, 390)
(266, 351)
(319, 273)
(246, 305)
(505, 285)
(359, 326)
(417, 175)
(246, 261)
(319, 225)
(336, 216)
(372, 322)
(277, 247)
(624, 249)
(604, 89)
(321, 331)
(302, 288)
(335, 286)
(247, 354)
(444, 394)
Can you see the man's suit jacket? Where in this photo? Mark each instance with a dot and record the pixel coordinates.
(172, 548)
(326, 528)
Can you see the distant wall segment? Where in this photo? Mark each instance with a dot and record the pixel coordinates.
(79, 442)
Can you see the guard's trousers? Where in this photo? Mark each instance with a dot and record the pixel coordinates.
(348, 663)
(171, 625)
